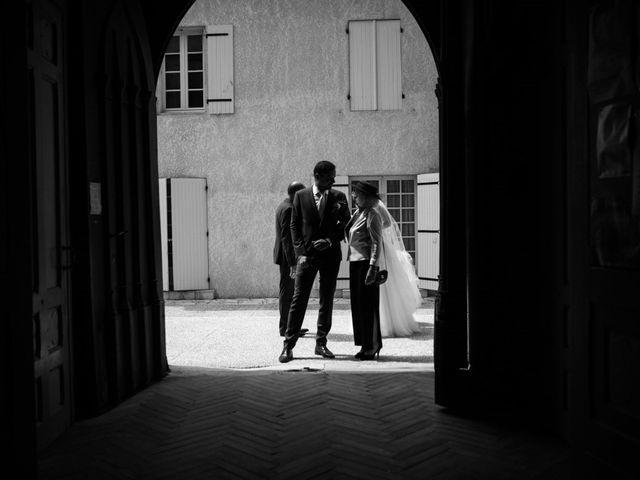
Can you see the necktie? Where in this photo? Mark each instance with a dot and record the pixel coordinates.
(321, 203)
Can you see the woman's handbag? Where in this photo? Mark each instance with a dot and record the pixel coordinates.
(381, 277)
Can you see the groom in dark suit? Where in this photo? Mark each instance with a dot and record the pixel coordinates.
(317, 226)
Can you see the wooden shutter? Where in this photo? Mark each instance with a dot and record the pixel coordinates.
(188, 234)
(388, 56)
(162, 191)
(160, 90)
(362, 65)
(428, 225)
(342, 185)
(220, 89)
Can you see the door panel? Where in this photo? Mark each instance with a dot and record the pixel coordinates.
(605, 324)
(185, 233)
(52, 253)
(342, 185)
(428, 230)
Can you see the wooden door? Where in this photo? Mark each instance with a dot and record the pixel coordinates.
(185, 233)
(604, 317)
(51, 251)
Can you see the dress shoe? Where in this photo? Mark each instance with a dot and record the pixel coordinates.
(286, 355)
(324, 351)
(370, 354)
(302, 332)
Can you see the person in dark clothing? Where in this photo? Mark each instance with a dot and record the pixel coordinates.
(284, 255)
(317, 226)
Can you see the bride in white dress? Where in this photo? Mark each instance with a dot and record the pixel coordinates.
(399, 295)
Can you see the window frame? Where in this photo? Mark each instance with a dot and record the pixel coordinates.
(382, 191)
(183, 33)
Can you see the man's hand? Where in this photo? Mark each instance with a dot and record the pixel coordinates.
(371, 275)
(292, 271)
(321, 244)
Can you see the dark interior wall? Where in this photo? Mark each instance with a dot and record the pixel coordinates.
(118, 307)
(499, 152)
(510, 162)
(16, 344)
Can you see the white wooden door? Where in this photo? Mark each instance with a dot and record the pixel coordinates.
(185, 233)
(428, 230)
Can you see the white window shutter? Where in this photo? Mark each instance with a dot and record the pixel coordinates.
(428, 230)
(342, 185)
(162, 192)
(220, 94)
(389, 77)
(160, 90)
(189, 238)
(362, 65)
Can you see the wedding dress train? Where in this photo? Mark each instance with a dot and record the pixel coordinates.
(399, 295)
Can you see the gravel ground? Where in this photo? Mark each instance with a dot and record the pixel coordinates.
(243, 334)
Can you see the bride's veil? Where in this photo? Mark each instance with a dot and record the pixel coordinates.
(399, 295)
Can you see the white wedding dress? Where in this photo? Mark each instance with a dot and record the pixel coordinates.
(399, 295)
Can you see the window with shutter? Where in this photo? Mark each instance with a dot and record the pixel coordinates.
(182, 74)
(399, 195)
(375, 72)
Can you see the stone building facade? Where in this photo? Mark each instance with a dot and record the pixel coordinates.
(292, 106)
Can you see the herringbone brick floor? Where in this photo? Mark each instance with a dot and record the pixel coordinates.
(266, 424)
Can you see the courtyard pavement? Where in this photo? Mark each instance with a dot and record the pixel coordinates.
(243, 334)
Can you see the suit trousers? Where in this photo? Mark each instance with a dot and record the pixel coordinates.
(285, 295)
(365, 307)
(305, 275)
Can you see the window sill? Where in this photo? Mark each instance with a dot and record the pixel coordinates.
(194, 111)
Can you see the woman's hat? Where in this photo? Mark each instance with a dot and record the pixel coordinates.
(366, 188)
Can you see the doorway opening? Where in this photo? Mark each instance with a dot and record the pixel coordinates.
(244, 112)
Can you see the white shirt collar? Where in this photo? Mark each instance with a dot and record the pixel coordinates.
(315, 189)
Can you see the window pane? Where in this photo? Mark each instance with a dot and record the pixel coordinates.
(174, 45)
(194, 43)
(395, 214)
(173, 100)
(408, 200)
(393, 201)
(172, 63)
(407, 186)
(195, 80)
(409, 244)
(408, 230)
(195, 61)
(393, 186)
(408, 215)
(172, 81)
(195, 99)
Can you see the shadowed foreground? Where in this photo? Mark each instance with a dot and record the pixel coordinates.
(274, 424)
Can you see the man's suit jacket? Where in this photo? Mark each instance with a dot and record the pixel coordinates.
(283, 253)
(306, 225)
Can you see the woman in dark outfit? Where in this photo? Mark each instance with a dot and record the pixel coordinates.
(364, 236)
